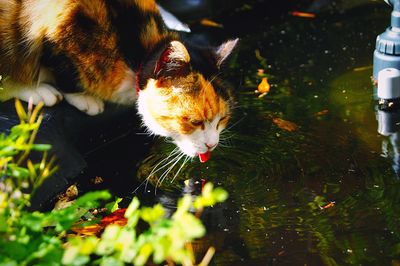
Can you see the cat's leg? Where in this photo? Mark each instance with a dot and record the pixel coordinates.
(84, 102)
(42, 91)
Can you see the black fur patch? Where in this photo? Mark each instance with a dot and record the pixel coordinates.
(128, 21)
(62, 67)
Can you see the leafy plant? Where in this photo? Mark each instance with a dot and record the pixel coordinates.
(165, 239)
(37, 238)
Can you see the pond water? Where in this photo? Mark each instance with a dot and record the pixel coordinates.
(324, 193)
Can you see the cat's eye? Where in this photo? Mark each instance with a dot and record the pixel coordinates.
(196, 123)
(223, 119)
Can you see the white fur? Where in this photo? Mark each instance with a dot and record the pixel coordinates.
(126, 94)
(147, 118)
(200, 141)
(41, 92)
(84, 102)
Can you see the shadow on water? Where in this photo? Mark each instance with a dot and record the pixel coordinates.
(326, 193)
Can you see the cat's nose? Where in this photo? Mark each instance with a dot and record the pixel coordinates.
(211, 145)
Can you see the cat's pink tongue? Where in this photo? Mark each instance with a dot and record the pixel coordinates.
(204, 157)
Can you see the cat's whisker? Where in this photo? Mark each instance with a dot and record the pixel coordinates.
(225, 136)
(180, 168)
(223, 145)
(235, 106)
(214, 77)
(237, 122)
(141, 184)
(173, 161)
(155, 169)
(164, 175)
(166, 172)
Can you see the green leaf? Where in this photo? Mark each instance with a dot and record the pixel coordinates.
(33, 221)
(41, 147)
(108, 239)
(184, 205)
(133, 206)
(113, 206)
(220, 195)
(18, 172)
(8, 262)
(144, 254)
(91, 199)
(110, 261)
(20, 110)
(152, 215)
(191, 226)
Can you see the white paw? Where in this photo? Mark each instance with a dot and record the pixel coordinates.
(43, 93)
(86, 103)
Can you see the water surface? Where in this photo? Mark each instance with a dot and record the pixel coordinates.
(326, 193)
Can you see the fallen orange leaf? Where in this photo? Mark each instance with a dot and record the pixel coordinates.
(264, 86)
(209, 23)
(302, 14)
(116, 217)
(321, 113)
(89, 230)
(285, 125)
(327, 206)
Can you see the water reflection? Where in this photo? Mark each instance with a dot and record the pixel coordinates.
(389, 127)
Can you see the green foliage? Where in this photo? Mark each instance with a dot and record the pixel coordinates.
(14, 150)
(37, 238)
(165, 238)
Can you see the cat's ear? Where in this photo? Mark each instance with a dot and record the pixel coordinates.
(224, 50)
(173, 61)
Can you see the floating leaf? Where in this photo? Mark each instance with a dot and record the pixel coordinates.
(264, 86)
(302, 14)
(210, 23)
(285, 125)
(321, 113)
(327, 206)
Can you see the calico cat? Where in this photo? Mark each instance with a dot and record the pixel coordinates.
(91, 51)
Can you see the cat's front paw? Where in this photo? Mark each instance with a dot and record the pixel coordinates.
(43, 93)
(89, 104)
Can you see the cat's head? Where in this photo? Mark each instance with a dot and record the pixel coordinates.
(183, 97)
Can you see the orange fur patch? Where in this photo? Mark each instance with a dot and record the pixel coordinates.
(96, 10)
(147, 5)
(100, 65)
(27, 22)
(150, 34)
(175, 106)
